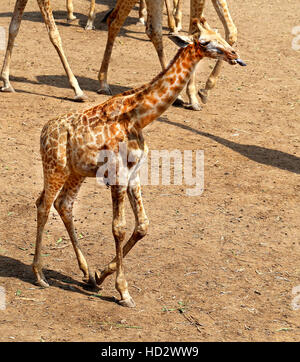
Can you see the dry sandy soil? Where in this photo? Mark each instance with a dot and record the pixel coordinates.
(216, 267)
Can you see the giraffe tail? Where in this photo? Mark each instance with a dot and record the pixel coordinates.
(106, 16)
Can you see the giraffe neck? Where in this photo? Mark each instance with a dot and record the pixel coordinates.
(154, 99)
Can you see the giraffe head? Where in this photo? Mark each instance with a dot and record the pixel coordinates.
(208, 43)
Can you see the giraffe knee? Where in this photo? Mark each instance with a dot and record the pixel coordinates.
(149, 32)
(119, 231)
(62, 207)
(142, 228)
(210, 83)
(58, 205)
(14, 28)
(55, 38)
(39, 200)
(232, 38)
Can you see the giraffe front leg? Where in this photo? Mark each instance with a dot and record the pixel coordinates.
(141, 227)
(13, 32)
(171, 19)
(222, 10)
(192, 93)
(142, 12)
(178, 14)
(211, 82)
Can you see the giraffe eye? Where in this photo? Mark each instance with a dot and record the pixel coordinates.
(204, 43)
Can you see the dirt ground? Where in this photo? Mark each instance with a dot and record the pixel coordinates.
(222, 266)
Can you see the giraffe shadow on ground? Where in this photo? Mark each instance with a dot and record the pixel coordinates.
(60, 17)
(13, 268)
(61, 81)
(263, 155)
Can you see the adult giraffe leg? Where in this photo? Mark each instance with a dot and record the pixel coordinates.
(56, 41)
(142, 12)
(177, 12)
(154, 28)
(140, 230)
(114, 21)
(91, 18)
(230, 36)
(64, 206)
(70, 14)
(171, 19)
(191, 91)
(13, 32)
(154, 32)
(196, 11)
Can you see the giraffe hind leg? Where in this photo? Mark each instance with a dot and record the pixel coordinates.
(91, 18)
(64, 206)
(230, 36)
(43, 204)
(114, 21)
(70, 17)
(56, 41)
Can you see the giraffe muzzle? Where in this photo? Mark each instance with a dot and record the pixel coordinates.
(240, 62)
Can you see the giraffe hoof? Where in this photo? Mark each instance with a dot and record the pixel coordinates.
(80, 98)
(89, 26)
(105, 90)
(42, 282)
(98, 278)
(71, 19)
(194, 107)
(203, 95)
(101, 276)
(7, 89)
(40, 278)
(90, 281)
(129, 303)
(141, 21)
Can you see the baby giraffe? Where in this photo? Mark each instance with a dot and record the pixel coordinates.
(71, 146)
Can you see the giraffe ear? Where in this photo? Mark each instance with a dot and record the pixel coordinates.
(180, 40)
